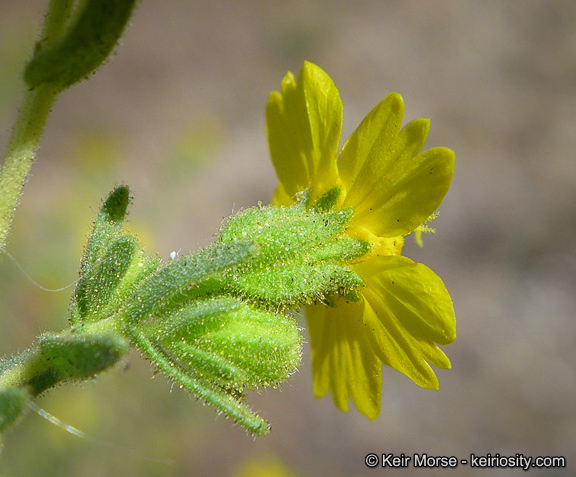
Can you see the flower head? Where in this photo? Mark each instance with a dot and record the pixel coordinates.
(404, 309)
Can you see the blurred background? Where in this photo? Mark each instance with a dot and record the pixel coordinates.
(178, 114)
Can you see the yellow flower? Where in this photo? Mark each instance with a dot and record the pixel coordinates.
(392, 188)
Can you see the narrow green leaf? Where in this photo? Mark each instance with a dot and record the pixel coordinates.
(230, 405)
(303, 255)
(116, 205)
(162, 287)
(107, 226)
(293, 285)
(96, 287)
(283, 233)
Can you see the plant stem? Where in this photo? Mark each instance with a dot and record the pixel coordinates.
(21, 151)
(56, 17)
(29, 125)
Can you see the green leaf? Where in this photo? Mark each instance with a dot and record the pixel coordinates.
(302, 257)
(164, 286)
(293, 285)
(107, 227)
(95, 289)
(282, 233)
(81, 356)
(83, 47)
(116, 206)
(229, 404)
(112, 264)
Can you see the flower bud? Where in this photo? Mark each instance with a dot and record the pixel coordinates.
(233, 344)
(303, 256)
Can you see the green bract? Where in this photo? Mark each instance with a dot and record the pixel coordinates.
(81, 356)
(206, 335)
(302, 255)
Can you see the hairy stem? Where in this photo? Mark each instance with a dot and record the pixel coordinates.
(21, 151)
(29, 125)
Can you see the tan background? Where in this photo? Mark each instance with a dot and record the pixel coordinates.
(178, 115)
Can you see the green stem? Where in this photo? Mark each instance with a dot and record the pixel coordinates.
(29, 125)
(21, 151)
(56, 18)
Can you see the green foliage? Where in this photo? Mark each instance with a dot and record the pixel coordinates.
(217, 321)
(80, 356)
(12, 404)
(77, 37)
(237, 345)
(213, 321)
(112, 265)
(217, 347)
(83, 47)
(94, 290)
(195, 274)
(302, 255)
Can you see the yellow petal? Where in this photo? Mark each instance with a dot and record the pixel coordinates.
(304, 123)
(280, 197)
(414, 293)
(391, 188)
(416, 194)
(371, 140)
(342, 359)
(289, 144)
(407, 311)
